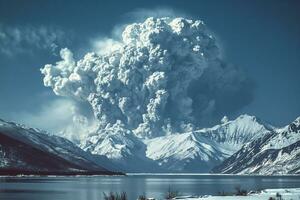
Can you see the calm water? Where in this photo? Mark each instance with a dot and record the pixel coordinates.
(92, 188)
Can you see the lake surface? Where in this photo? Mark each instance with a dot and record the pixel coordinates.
(92, 188)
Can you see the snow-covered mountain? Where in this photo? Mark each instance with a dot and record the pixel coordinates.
(26, 150)
(232, 135)
(201, 150)
(187, 152)
(277, 152)
(244, 145)
(123, 148)
(197, 151)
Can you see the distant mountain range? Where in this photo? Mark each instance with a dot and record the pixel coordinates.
(246, 145)
(30, 151)
(277, 152)
(201, 150)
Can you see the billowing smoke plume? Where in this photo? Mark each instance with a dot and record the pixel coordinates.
(164, 76)
(25, 39)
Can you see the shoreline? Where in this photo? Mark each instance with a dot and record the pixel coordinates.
(25, 173)
(211, 174)
(19, 173)
(279, 193)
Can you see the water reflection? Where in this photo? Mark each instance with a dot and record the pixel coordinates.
(92, 188)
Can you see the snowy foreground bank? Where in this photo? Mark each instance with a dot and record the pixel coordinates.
(276, 194)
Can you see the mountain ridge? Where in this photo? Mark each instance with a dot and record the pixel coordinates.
(28, 151)
(278, 152)
(245, 145)
(196, 151)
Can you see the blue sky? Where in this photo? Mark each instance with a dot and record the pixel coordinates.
(261, 37)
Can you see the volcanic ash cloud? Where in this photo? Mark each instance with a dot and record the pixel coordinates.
(148, 81)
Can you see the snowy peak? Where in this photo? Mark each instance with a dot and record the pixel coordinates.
(26, 150)
(276, 152)
(284, 137)
(295, 126)
(114, 146)
(243, 145)
(247, 124)
(237, 132)
(196, 151)
(187, 152)
(122, 147)
(199, 151)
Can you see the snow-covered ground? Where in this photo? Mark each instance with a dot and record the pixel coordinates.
(286, 194)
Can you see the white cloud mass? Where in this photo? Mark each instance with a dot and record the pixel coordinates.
(23, 39)
(164, 76)
(61, 117)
